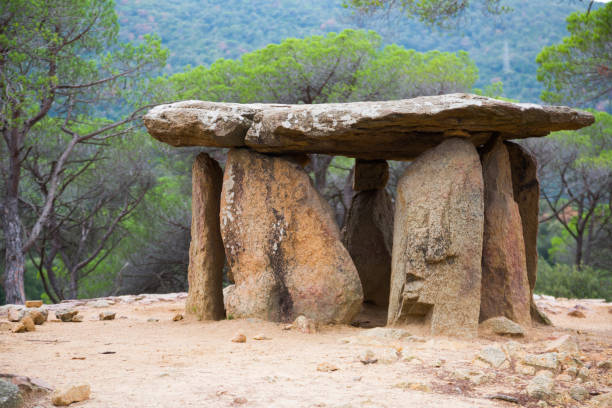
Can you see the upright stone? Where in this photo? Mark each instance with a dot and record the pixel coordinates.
(437, 241)
(206, 255)
(283, 244)
(370, 174)
(368, 236)
(526, 191)
(505, 286)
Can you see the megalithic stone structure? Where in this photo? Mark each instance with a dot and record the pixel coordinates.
(368, 232)
(461, 248)
(505, 285)
(526, 191)
(206, 253)
(437, 241)
(283, 244)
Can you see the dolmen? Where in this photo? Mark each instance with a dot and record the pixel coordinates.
(458, 248)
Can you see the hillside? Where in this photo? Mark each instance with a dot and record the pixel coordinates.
(199, 32)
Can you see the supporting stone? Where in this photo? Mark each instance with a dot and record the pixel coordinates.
(283, 244)
(206, 255)
(526, 191)
(505, 285)
(368, 236)
(437, 241)
(370, 174)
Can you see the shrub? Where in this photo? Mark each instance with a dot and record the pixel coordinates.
(567, 281)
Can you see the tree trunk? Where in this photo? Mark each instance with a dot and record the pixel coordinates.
(320, 164)
(14, 260)
(73, 290)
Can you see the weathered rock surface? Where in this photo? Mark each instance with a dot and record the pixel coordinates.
(437, 241)
(206, 253)
(526, 191)
(33, 303)
(66, 315)
(9, 395)
(107, 315)
(505, 286)
(371, 130)
(283, 244)
(502, 325)
(541, 386)
(368, 236)
(70, 395)
(370, 174)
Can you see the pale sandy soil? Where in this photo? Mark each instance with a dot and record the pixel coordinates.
(194, 364)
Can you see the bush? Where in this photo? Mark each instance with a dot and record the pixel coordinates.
(567, 281)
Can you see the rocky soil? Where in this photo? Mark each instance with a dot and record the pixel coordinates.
(147, 356)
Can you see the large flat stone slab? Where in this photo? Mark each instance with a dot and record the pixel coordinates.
(399, 130)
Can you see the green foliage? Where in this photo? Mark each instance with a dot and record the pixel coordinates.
(442, 13)
(567, 281)
(337, 67)
(199, 32)
(579, 70)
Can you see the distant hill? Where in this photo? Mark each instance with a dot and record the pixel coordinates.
(201, 31)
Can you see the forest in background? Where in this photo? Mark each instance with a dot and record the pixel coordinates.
(119, 220)
(503, 47)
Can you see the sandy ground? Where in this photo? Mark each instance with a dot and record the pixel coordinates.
(194, 364)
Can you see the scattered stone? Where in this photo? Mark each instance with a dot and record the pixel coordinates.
(602, 401)
(525, 369)
(70, 395)
(578, 392)
(576, 313)
(583, 374)
(15, 314)
(326, 367)
(415, 386)
(541, 386)
(504, 397)
(494, 356)
(476, 377)
(152, 320)
(564, 344)
(437, 241)
(572, 371)
(77, 318)
(177, 317)
(107, 315)
(546, 361)
(542, 404)
(33, 303)
(206, 253)
(382, 355)
(239, 338)
(260, 336)
(502, 325)
(387, 333)
(305, 325)
(28, 323)
(99, 303)
(514, 350)
(283, 244)
(39, 316)
(66, 315)
(240, 401)
(605, 365)
(564, 378)
(9, 395)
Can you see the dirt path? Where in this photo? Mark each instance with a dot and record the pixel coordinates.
(194, 364)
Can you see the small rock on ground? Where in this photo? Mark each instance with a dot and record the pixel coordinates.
(305, 325)
(77, 319)
(503, 326)
(326, 367)
(578, 392)
(70, 395)
(239, 338)
(547, 361)
(9, 395)
(260, 336)
(576, 313)
(564, 344)
(541, 386)
(107, 315)
(177, 317)
(493, 355)
(66, 315)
